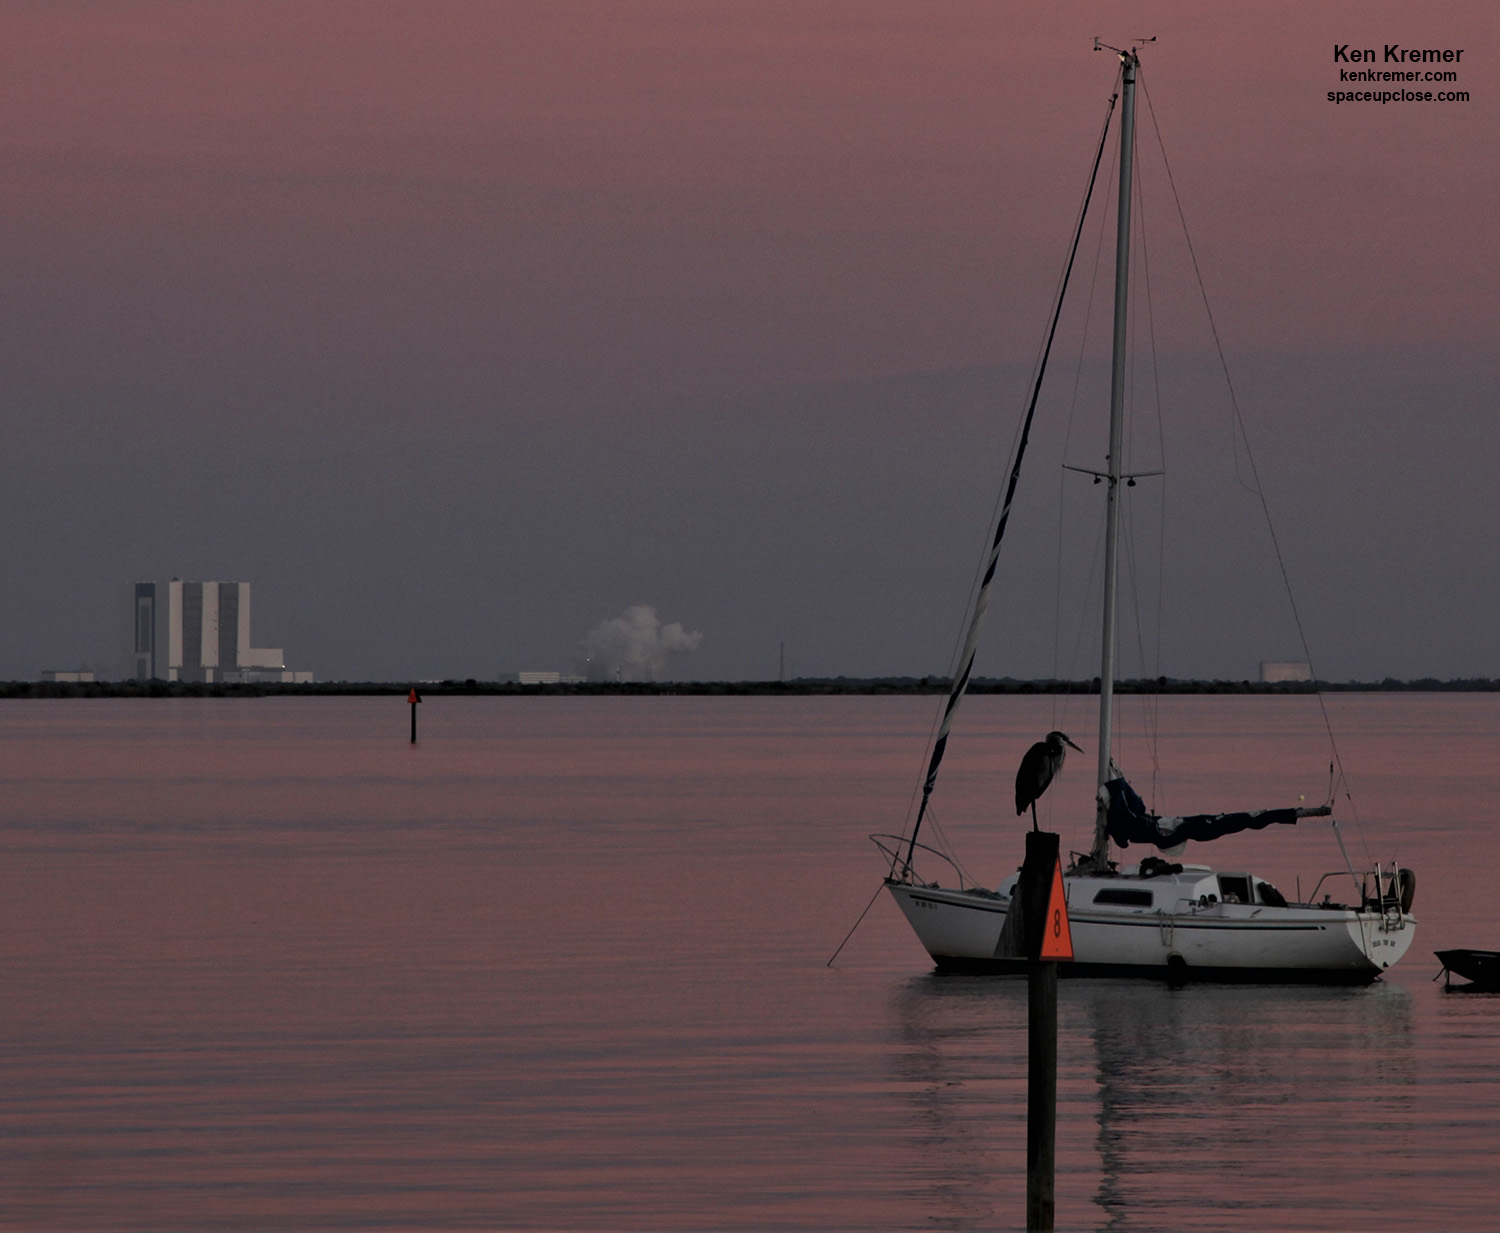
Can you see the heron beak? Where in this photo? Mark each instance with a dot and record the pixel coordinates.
(1070, 743)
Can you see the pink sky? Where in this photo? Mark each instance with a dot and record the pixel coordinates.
(803, 188)
(250, 221)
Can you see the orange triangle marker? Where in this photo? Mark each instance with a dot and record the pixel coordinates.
(1057, 937)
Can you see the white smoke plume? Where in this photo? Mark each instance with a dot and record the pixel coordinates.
(634, 646)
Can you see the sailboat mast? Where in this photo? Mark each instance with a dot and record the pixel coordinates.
(1100, 852)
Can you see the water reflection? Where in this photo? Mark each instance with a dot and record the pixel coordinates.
(561, 966)
(1207, 1106)
(957, 1068)
(1220, 1099)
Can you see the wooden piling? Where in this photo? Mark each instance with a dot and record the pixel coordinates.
(1041, 1097)
(1035, 889)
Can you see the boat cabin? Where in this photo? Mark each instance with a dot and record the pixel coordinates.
(1164, 888)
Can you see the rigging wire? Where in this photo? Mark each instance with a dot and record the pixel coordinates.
(945, 845)
(971, 643)
(1093, 575)
(1259, 491)
(1038, 366)
(1060, 720)
(1150, 701)
(1161, 511)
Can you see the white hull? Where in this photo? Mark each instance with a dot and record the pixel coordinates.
(1183, 934)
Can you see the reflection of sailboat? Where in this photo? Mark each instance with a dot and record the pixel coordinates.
(1176, 1109)
(1157, 917)
(1193, 1092)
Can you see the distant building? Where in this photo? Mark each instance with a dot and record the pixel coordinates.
(197, 631)
(75, 677)
(1277, 672)
(539, 678)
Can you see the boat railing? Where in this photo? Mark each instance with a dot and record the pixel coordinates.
(1392, 894)
(892, 847)
(1312, 900)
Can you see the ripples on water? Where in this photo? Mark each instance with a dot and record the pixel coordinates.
(562, 965)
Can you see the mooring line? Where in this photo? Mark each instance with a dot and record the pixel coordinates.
(856, 925)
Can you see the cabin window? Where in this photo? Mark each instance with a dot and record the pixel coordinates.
(1270, 896)
(1126, 898)
(1235, 888)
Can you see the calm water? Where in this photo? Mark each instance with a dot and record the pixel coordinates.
(562, 965)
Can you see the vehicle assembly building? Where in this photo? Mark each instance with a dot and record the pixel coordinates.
(197, 631)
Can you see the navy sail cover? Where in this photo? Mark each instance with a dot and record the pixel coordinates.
(1130, 822)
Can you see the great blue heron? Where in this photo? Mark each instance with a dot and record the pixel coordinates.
(1042, 761)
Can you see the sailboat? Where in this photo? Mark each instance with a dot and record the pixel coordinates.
(1158, 917)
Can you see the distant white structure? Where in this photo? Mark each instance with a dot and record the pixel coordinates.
(1273, 673)
(197, 631)
(541, 678)
(79, 677)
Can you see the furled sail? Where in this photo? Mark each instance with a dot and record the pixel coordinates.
(1130, 821)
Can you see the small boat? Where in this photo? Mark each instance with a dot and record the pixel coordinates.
(1156, 918)
(1481, 968)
